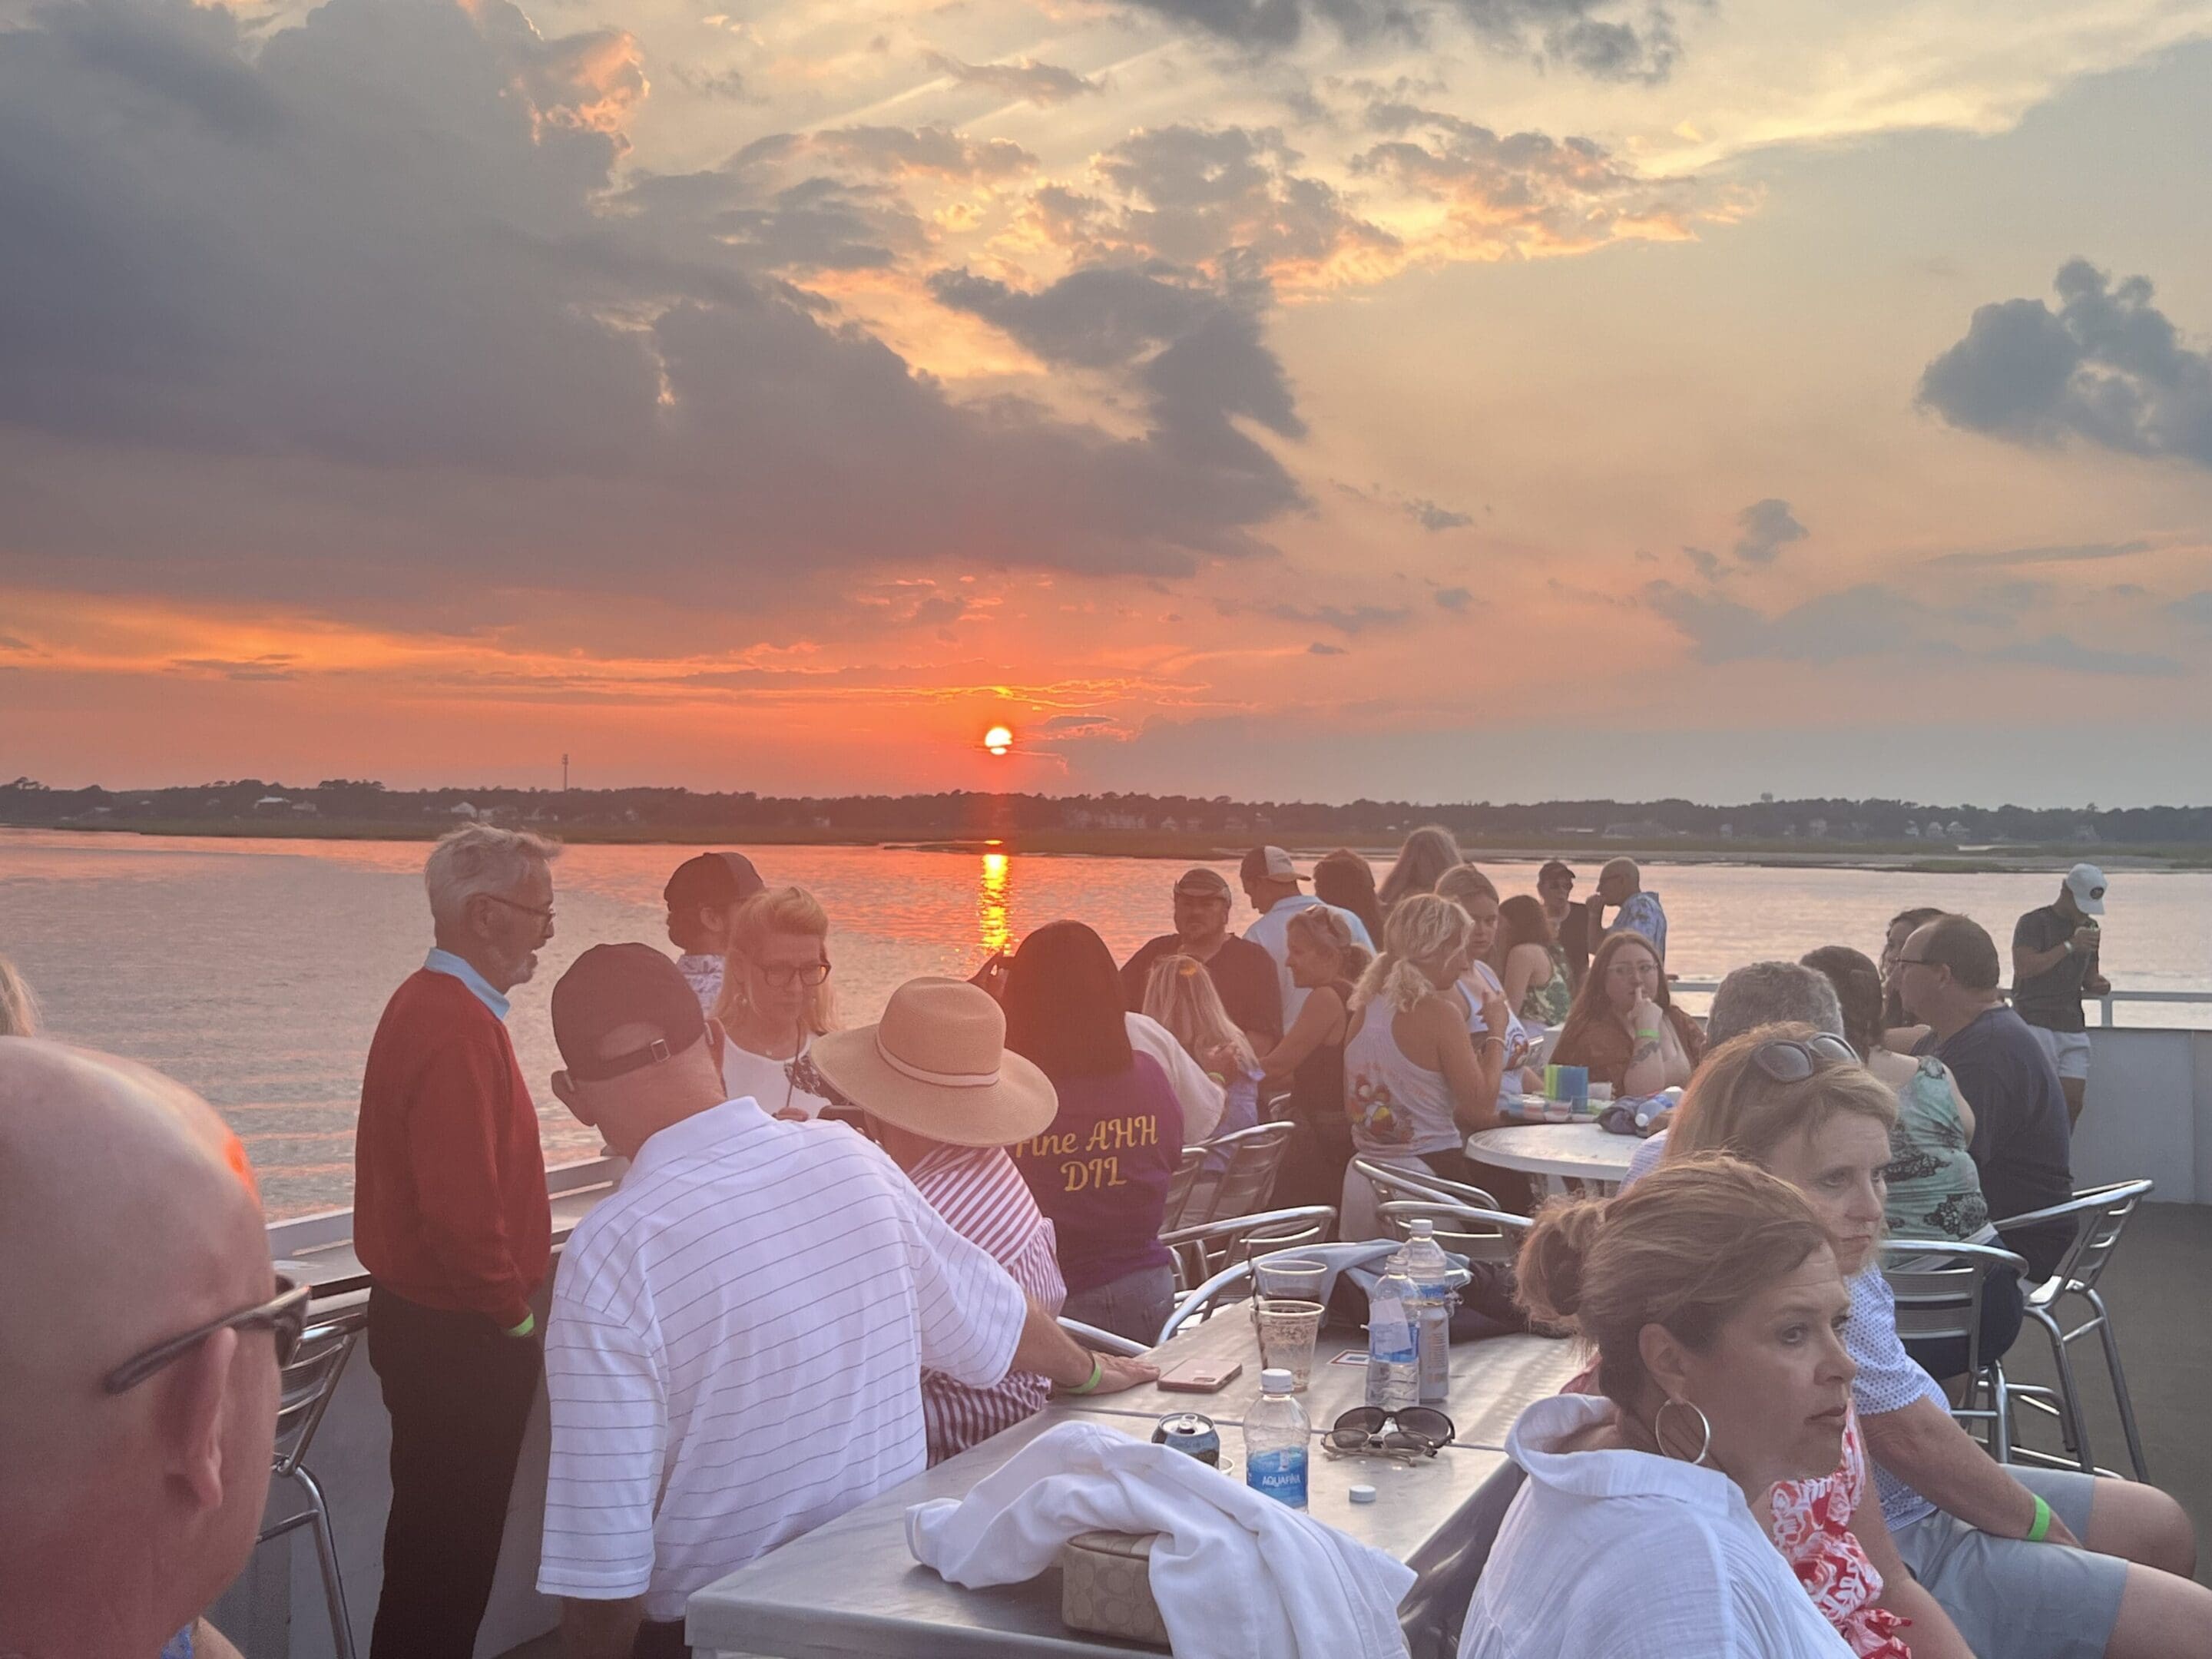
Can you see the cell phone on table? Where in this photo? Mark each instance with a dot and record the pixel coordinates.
(1201, 1375)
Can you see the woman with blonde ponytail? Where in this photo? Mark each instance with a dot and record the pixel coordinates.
(1417, 1082)
(1710, 1294)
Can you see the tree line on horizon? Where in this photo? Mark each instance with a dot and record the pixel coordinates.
(366, 801)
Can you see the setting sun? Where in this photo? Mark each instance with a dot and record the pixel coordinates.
(998, 739)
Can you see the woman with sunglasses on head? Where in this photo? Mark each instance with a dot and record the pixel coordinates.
(1625, 1027)
(777, 999)
(1999, 1550)
(1711, 1295)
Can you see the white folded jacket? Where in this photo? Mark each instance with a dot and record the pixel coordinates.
(1236, 1574)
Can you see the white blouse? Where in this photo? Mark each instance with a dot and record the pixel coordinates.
(1199, 1096)
(1631, 1556)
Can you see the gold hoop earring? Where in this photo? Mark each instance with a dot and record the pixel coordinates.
(1659, 1436)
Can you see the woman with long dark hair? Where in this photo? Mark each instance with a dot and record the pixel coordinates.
(1530, 964)
(1428, 852)
(1343, 879)
(1625, 1027)
(1101, 1172)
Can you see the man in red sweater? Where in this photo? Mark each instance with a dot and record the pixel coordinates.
(450, 1216)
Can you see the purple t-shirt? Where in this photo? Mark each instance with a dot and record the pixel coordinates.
(1101, 1172)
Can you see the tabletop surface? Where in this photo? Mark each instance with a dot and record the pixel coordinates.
(1562, 1149)
(851, 1587)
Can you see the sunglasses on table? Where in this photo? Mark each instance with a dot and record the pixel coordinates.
(1786, 1059)
(1371, 1431)
(284, 1315)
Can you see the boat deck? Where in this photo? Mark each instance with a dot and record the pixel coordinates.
(2157, 1290)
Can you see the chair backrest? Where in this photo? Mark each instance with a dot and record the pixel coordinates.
(1203, 1251)
(1179, 1186)
(1254, 1156)
(1938, 1289)
(306, 1386)
(2099, 1215)
(1396, 1183)
(1479, 1235)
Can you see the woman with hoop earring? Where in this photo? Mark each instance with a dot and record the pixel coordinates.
(1711, 1293)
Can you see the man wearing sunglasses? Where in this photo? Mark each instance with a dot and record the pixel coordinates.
(140, 1329)
(2054, 965)
(451, 1217)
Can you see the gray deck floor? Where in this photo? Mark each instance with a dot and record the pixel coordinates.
(2158, 1288)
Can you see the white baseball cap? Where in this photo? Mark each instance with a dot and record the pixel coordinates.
(2087, 883)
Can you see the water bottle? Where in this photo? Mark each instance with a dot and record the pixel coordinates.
(1430, 1273)
(1277, 1439)
(1394, 1356)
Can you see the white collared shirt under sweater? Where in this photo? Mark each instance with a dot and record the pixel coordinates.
(735, 1347)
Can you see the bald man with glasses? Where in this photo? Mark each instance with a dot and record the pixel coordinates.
(141, 1331)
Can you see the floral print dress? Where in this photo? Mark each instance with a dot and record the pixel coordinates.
(1812, 1527)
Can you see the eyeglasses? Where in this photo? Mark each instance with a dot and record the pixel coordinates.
(1917, 961)
(782, 977)
(285, 1315)
(1371, 1431)
(544, 915)
(1787, 1060)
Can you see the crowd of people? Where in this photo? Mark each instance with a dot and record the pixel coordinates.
(840, 1253)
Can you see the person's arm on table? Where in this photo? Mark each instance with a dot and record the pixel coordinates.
(1933, 1636)
(1923, 1445)
(1049, 1351)
(1646, 1072)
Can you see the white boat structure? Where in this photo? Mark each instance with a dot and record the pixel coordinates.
(2148, 1113)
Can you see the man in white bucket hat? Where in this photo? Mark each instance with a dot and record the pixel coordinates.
(944, 1098)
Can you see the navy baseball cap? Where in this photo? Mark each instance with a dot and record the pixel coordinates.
(611, 986)
(716, 878)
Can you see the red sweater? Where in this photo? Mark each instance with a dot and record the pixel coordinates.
(449, 1181)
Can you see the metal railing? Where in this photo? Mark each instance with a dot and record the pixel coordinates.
(2104, 1005)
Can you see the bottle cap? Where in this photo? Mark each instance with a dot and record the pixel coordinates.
(1421, 1227)
(1276, 1380)
(1363, 1493)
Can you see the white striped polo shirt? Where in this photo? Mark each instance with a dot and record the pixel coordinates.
(983, 1197)
(735, 1347)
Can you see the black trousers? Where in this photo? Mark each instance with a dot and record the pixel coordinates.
(458, 1393)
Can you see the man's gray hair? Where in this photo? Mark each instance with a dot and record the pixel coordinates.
(1765, 993)
(481, 858)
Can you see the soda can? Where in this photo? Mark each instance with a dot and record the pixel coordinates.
(1190, 1433)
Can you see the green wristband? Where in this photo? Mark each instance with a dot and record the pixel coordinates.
(2041, 1529)
(1098, 1375)
(1653, 1032)
(529, 1324)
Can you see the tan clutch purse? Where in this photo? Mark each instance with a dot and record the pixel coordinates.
(1106, 1587)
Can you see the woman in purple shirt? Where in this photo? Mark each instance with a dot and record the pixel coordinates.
(1101, 1172)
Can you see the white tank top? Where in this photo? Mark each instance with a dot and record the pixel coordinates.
(1396, 1106)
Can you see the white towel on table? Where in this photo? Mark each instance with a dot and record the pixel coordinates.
(1236, 1574)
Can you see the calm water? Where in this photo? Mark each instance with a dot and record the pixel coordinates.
(255, 970)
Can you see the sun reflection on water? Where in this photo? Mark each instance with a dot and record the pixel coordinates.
(993, 901)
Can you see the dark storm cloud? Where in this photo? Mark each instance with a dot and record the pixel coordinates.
(2107, 367)
(1604, 41)
(356, 311)
(1027, 79)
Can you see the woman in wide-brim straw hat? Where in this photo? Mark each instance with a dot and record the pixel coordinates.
(946, 1099)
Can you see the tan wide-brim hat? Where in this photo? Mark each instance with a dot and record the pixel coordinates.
(936, 1064)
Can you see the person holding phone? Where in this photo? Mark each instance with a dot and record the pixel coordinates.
(2054, 965)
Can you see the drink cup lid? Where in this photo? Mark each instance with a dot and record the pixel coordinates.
(1363, 1493)
(1276, 1380)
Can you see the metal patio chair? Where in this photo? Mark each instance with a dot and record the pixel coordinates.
(306, 1388)
(1202, 1251)
(1938, 1287)
(1100, 1341)
(1179, 1187)
(1246, 1182)
(1478, 1235)
(2101, 1215)
(1224, 1285)
(1396, 1183)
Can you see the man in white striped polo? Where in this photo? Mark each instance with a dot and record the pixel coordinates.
(946, 1100)
(739, 1332)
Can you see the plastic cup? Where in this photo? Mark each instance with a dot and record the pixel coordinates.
(1294, 1279)
(1288, 1331)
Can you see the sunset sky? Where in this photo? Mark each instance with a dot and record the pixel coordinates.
(1488, 399)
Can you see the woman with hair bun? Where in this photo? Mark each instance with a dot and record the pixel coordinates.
(1710, 1294)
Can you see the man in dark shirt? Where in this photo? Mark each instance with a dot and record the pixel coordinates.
(2022, 1141)
(1243, 972)
(2054, 964)
(1555, 887)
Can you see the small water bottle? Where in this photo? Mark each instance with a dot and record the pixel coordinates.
(1276, 1440)
(1429, 1270)
(1394, 1356)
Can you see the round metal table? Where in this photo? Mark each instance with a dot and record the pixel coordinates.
(1557, 1152)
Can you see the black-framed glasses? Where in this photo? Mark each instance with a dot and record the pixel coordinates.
(783, 977)
(1786, 1059)
(284, 1314)
(1416, 1432)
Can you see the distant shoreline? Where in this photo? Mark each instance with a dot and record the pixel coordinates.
(1580, 850)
